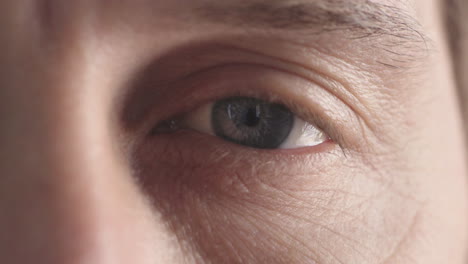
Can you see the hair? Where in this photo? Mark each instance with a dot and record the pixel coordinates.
(456, 21)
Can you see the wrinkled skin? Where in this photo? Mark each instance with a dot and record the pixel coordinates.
(83, 179)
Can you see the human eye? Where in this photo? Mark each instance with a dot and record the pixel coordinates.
(239, 134)
(254, 122)
(248, 108)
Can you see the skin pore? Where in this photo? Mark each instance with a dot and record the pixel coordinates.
(99, 165)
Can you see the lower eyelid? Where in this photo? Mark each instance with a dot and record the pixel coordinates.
(187, 150)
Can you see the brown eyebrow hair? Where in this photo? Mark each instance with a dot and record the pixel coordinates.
(390, 28)
(364, 17)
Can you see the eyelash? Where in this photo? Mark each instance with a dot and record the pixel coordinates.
(211, 91)
(175, 124)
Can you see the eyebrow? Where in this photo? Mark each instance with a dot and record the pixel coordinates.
(360, 18)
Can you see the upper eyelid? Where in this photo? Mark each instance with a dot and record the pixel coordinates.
(159, 75)
(165, 75)
(322, 77)
(301, 109)
(316, 75)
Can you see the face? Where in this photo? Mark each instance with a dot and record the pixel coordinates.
(171, 131)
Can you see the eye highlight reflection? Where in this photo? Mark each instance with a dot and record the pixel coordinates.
(254, 123)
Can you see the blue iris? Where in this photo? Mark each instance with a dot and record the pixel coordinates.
(252, 122)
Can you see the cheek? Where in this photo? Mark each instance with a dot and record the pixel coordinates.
(226, 205)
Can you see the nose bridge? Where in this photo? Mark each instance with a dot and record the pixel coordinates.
(66, 195)
(57, 175)
(66, 192)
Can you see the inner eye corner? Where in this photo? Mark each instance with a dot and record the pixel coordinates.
(166, 126)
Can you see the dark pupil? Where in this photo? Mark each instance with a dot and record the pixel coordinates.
(252, 122)
(251, 117)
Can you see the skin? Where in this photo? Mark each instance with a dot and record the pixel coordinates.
(83, 179)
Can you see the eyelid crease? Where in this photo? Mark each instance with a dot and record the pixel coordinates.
(320, 77)
(210, 55)
(347, 95)
(194, 79)
(310, 116)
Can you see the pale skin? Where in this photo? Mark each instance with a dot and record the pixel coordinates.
(84, 180)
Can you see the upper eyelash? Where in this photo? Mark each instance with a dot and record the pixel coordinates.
(310, 116)
(307, 112)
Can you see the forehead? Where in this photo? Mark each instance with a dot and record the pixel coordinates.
(155, 26)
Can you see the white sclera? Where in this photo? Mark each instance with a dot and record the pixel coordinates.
(303, 134)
